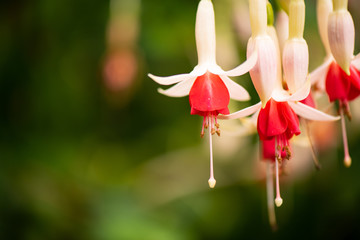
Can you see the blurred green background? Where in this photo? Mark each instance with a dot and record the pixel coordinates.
(90, 150)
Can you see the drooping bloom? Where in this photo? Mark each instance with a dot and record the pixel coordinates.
(339, 75)
(279, 108)
(208, 86)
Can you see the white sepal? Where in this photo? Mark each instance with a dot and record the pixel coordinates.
(310, 113)
(170, 79)
(245, 66)
(236, 91)
(242, 113)
(280, 95)
(319, 74)
(179, 90)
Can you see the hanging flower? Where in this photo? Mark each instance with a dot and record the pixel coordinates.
(339, 75)
(279, 109)
(208, 86)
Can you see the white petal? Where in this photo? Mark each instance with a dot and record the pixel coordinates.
(281, 95)
(318, 76)
(242, 113)
(356, 62)
(310, 113)
(236, 91)
(170, 79)
(179, 90)
(245, 66)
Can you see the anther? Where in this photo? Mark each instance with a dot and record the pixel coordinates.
(218, 132)
(213, 131)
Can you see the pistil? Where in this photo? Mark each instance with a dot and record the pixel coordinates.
(347, 158)
(212, 180)
(278, 199)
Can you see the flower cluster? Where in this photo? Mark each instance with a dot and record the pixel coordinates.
(279, 72)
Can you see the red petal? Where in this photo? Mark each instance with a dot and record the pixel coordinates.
(268, 150)
(292, 121)
(337, 84)
(271, 121)
(209, 94)
(309, 100)
(277, 118)
(354, 78)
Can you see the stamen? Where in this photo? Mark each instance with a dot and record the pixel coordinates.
(347, 158)
(347, 110)
(211, 180)
(206, 122)
(217, 125)
(270, 195)
(212, 125)
(278, 199)
(288, 152)
(202, 128)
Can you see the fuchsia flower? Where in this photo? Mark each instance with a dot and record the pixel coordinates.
(279, 108)
(339, 75)
(208, 86)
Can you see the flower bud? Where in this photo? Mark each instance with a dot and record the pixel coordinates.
(341, 33)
